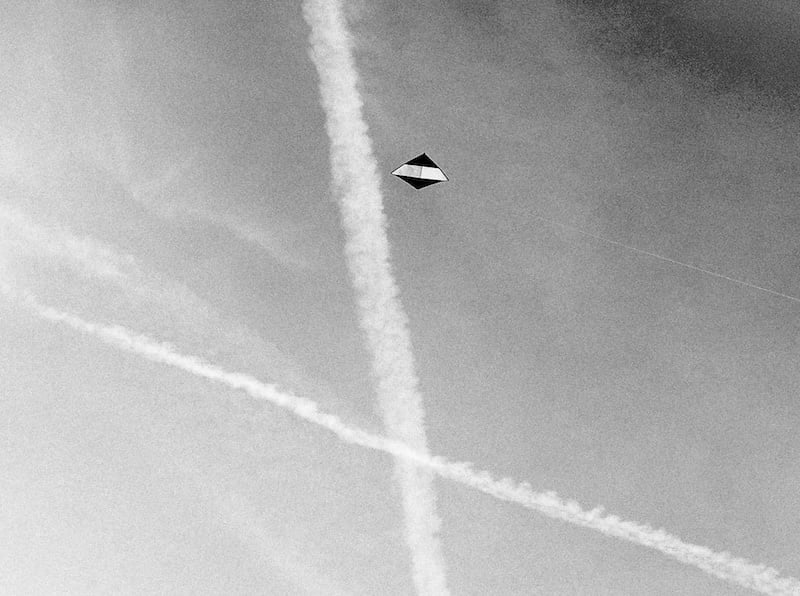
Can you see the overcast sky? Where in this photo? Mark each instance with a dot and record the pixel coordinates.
(165, 167)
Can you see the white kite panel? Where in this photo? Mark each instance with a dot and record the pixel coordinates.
(409, 170)
(432, 174)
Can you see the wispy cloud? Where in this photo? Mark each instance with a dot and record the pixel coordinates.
(722, 565)
(163, 195)
(160, 305)
(262, 235)
(357, 185)
(242, 518)
(88, 255)
(236, 514)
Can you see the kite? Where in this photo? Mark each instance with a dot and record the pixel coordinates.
(420, 172)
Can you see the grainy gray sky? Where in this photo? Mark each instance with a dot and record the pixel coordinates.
(190, 137)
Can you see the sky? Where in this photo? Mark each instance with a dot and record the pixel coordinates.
(166, 167)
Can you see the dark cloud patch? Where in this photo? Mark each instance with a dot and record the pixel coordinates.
(731, 46)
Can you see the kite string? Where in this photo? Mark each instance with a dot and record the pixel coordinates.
(648, 253)
(653, 255)
(666, 259)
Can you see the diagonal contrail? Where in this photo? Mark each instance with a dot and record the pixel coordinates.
(357, 185)
(722, 565)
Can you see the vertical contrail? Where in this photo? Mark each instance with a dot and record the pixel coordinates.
(722, 565)
(357, 185)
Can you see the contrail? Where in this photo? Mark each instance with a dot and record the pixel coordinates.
(722, 565)
(741, 282)
(357, 184)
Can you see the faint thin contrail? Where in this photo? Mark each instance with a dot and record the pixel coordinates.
(357, 185)
(741, 282)
(722, 565)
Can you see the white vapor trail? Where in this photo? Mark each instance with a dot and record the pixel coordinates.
(722, 565)
(381, 315)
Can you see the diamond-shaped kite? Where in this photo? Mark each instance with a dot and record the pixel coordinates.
(420, 172)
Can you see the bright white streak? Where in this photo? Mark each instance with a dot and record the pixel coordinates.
(357, 186)
(722, 565)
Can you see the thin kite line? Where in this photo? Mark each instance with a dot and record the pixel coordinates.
(668, 259)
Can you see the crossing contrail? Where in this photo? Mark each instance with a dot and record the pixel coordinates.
(357, 186)
(722, 565)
